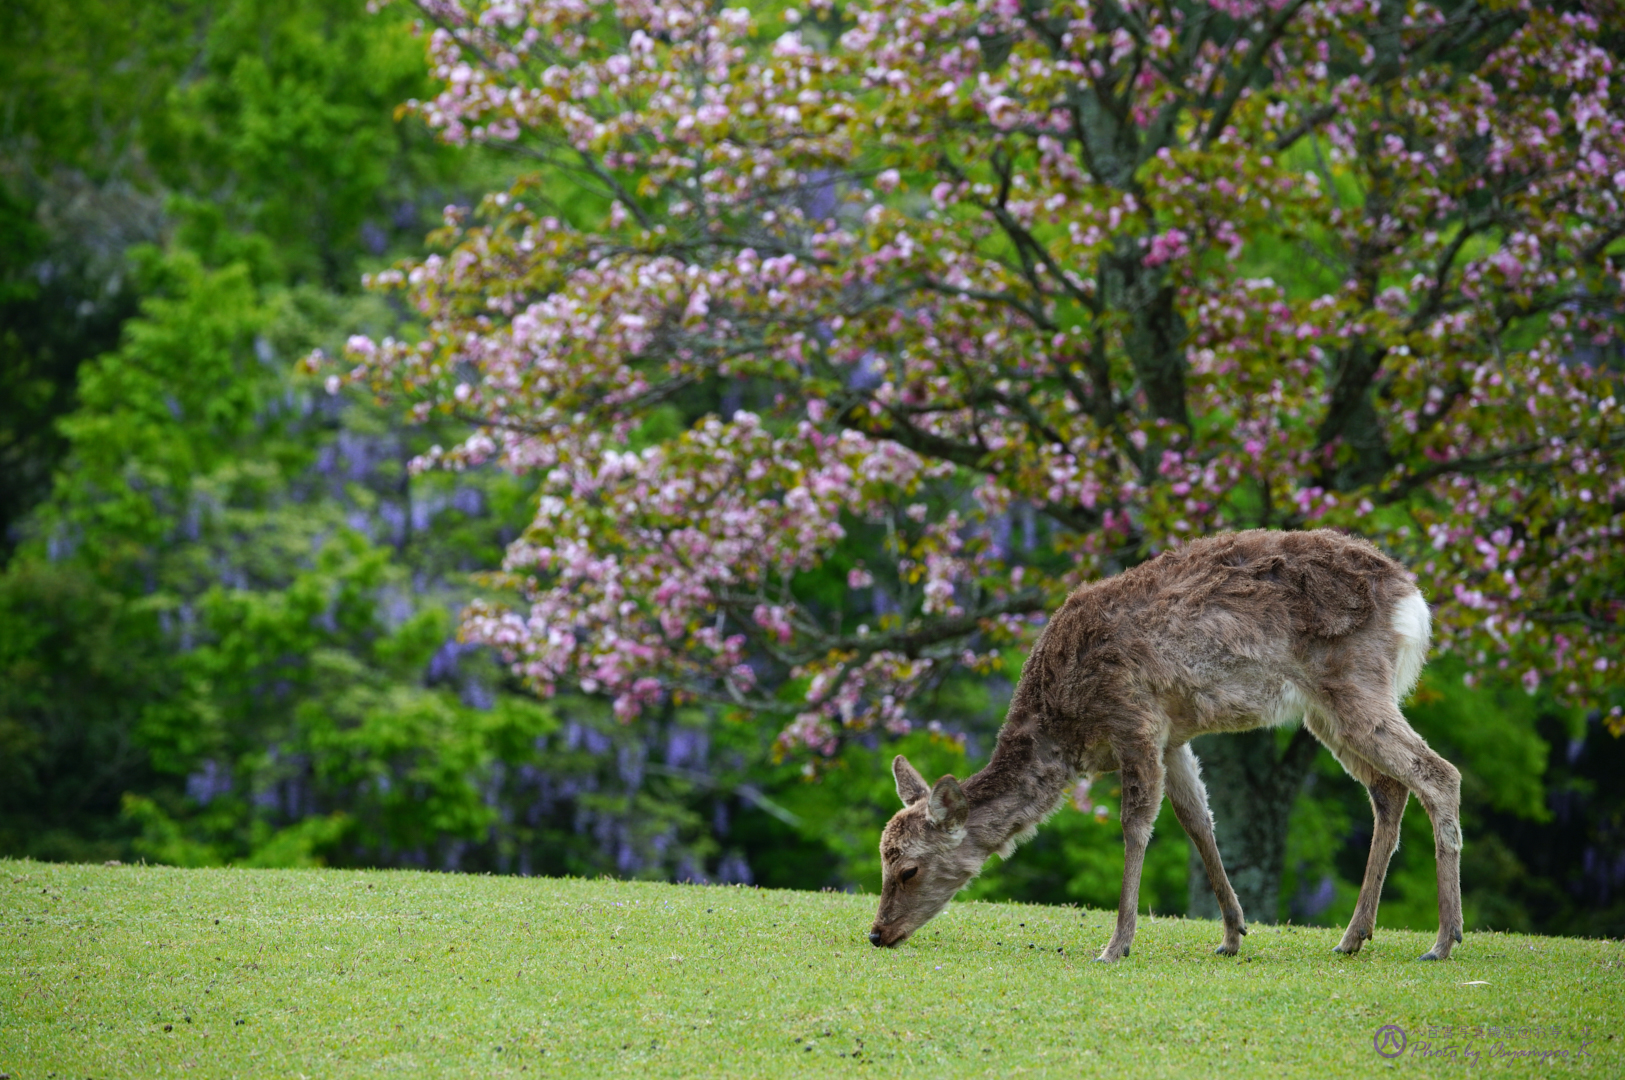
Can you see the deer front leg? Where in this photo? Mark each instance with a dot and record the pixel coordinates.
(1141, 771)
(1189, 796)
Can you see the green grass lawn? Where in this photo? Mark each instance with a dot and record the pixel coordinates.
(139, 972)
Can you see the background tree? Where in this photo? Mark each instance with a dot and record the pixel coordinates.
(989, 294)
(244, 130)
(225, 628)
(226, 603)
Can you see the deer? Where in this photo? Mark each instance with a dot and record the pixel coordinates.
(1223, 634)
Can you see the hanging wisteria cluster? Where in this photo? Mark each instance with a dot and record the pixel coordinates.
(1142, 270)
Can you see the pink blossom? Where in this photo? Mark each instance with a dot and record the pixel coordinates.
(997, 389)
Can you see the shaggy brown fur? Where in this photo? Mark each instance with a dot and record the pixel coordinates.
(1225, 634)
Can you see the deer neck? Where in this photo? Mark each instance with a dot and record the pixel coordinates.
(1021, 786)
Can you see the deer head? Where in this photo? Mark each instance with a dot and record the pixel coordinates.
(924, 855)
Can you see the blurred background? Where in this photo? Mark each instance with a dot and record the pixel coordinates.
(228, 613)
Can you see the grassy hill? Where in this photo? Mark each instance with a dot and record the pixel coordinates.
(140, 972)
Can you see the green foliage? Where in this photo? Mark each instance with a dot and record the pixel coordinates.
(172, 408)
(265, 129)
(284, 131)
(270, 125)
(271, 655)
(77, 660)
(80, 79)
(1324, 864)
(49, 322)
(1490, 732)
(268, 552)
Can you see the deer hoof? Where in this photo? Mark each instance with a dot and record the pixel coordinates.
(1429, 955)
(1352, 941)
(1226, 950)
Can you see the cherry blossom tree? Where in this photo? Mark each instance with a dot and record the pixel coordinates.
(1107, 275)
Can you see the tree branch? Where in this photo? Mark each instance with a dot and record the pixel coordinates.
(1253, 62)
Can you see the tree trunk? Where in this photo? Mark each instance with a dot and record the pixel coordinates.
(1252, 782)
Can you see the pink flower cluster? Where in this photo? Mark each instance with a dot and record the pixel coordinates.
(1027, 296)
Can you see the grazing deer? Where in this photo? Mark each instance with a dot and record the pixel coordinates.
(1229, 633)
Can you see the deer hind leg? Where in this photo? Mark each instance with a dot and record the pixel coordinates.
(1140, 767)
(1371, 728)
(1388, 798)
(1189, 796)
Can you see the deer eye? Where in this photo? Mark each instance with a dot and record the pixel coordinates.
(910, 872)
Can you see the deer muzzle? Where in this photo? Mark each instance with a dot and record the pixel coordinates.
(884, 937)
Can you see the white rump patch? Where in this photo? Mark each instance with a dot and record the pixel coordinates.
(1414, 627)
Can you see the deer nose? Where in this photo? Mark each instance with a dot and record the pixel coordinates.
(875, 939)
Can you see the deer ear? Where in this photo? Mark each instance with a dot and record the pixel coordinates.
(910, 784)
(949, 807)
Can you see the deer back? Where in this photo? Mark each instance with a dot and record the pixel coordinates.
(1225, 633)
